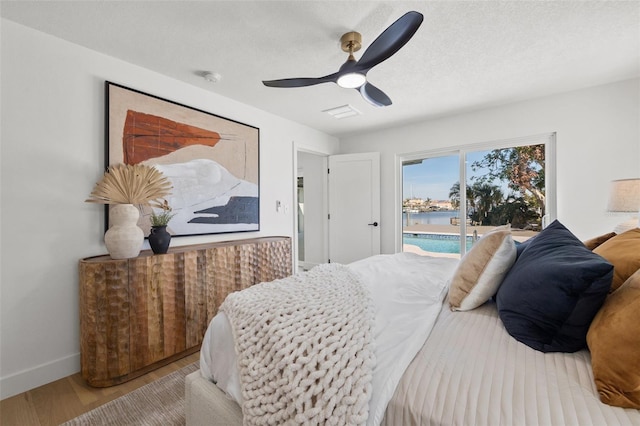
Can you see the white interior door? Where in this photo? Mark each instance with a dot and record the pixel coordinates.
(354, 206)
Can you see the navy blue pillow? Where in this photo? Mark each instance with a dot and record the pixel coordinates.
(554, 289)
(523, 245)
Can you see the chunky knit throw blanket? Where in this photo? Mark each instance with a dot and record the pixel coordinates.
(305, 348)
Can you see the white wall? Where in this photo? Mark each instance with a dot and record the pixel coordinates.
(598, 140)
(52, 153)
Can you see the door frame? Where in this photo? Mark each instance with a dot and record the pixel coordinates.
(298, 148)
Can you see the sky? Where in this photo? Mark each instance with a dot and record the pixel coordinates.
(435, 176)
(431, 179)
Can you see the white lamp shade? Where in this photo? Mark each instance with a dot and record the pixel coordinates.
(624, 196)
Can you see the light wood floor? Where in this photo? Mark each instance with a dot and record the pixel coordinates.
(69, 397)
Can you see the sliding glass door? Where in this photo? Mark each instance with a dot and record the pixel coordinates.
(450, 199)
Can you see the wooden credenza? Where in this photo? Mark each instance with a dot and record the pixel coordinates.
(139, 314)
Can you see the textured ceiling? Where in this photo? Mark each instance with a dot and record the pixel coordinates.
(465, 56)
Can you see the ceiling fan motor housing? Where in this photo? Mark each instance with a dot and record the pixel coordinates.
(351, 42)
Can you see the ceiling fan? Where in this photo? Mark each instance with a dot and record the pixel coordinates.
(353, 74)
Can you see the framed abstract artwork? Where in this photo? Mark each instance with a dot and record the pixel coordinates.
(211, 161)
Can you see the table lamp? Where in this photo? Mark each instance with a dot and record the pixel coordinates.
(624, 196)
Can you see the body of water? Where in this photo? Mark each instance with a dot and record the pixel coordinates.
(430, 218)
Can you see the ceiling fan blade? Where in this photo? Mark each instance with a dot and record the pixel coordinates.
(373, 95)
(391, 40)
(301, 82)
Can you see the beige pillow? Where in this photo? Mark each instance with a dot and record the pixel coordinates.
(614, 342)
(623, 252)
(482, 269)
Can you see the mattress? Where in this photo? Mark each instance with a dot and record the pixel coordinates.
(471, 371)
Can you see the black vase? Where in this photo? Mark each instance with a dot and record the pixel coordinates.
(159, 239)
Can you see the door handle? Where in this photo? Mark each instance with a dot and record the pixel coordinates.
(373, 224)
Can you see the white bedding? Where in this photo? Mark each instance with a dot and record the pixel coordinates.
(407, 291)
(472, 372)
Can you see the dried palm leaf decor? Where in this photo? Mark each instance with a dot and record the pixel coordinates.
(131, 184)
(127, 185)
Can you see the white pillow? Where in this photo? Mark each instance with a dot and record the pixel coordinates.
(482, 269)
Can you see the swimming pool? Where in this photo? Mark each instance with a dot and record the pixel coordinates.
(437, 243)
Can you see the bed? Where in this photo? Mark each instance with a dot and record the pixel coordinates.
(466, 368)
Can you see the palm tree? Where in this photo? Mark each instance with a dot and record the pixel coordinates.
(454, 197)
(482, 198)
(427, 203)
(485, 198)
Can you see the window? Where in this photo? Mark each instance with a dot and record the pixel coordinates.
(451, 198)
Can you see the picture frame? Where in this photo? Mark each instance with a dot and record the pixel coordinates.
(212, 162)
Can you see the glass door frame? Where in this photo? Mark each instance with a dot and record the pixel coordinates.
(548, 139)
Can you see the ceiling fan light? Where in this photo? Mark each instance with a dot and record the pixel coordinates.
(351, 80)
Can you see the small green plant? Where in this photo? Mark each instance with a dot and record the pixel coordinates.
(162, 218)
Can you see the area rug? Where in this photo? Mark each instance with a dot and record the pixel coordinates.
(159, 403)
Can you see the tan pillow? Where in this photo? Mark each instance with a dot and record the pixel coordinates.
(614, 342)
(482, 269)
(623, 251)
(597, 241)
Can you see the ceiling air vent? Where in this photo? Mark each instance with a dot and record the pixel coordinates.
(343, 111)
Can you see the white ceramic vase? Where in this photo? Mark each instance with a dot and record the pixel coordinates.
(124, 238)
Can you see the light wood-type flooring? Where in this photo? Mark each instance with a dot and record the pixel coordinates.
(69, 397)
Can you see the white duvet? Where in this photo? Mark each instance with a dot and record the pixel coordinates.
(407, 292)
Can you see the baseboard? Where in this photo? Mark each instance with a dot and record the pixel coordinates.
(42, 374)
